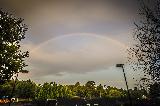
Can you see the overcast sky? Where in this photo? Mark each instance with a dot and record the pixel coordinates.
(76, 40)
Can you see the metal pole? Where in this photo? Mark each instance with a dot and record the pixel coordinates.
(124, 74)
(129, 96)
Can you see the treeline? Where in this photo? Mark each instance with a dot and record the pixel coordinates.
(32, 91)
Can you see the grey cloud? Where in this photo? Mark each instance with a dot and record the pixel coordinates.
(55, 17)
(48, 19)
(97, 54)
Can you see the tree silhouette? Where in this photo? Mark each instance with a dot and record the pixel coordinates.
(155, 90)
(146, 51)
(12, 31)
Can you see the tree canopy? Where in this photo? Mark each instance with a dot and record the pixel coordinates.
(12, 59)
(146, 51)
(30, 90)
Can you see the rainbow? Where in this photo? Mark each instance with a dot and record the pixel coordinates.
(122, 45)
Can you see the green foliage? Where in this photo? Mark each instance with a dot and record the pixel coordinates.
(53, 91)
(12, 31)
(6, 89)
(25, 89)
(113, 92)
(29, 90)
(90, 89)
(100, 91)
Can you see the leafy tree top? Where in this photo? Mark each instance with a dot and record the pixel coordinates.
(12, 31)
(146, 52)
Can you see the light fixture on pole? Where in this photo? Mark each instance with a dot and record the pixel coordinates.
(124, 74)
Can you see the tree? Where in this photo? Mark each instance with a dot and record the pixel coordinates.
(146, 51)
(12, 31)
(90, 89)
(115, 93)
(100, 90)
(6, 89)
(45, 91)
(77, 84)
(26, 89)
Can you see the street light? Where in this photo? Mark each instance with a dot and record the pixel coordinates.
(129, 96)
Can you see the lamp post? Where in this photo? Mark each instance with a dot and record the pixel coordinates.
(124, 74)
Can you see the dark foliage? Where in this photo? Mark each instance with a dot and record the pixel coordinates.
(146, 53)
(12, 31)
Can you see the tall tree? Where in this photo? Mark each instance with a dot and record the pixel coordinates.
(12, 31)
(147, 35)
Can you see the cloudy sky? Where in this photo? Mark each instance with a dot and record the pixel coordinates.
(76, 40)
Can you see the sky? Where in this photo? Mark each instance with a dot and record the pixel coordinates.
(76, 40)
